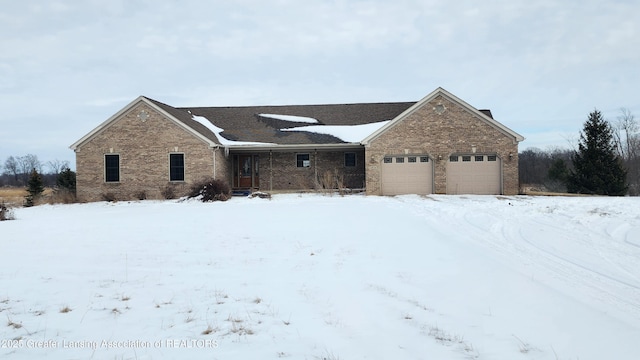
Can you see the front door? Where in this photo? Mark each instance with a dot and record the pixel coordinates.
(246, 171)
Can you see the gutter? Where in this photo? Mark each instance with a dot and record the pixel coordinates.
(294, 147)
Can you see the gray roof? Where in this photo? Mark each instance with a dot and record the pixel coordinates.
(244, 123)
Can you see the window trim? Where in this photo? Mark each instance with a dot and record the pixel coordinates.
(298, 162)
(106, 169)
(183, 167)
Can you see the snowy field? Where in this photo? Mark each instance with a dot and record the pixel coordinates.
(324, 277)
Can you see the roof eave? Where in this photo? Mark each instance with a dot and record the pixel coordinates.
(293, 147)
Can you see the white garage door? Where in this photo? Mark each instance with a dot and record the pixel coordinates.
(407, 174)
(474, 174)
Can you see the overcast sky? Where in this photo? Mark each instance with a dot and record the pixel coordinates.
(540, 66)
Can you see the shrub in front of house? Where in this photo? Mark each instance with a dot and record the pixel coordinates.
(211, 190)
(169, 192)
(5, 212)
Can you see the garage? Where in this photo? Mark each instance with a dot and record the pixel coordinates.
(407, 174)
(474, 174)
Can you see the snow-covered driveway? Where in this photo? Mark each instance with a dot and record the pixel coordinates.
(321, 277)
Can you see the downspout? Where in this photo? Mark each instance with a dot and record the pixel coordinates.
(215, 150)
(270, 170)
(315, 165)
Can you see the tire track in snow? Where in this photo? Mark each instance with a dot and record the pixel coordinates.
(507, 230)
(513, 242)
(577, 264)
(604, 286)
(634, 230)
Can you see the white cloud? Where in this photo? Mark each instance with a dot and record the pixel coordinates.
(535, 64)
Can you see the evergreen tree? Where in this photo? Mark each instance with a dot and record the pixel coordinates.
(67, 180)
(35, 187)
(597, 168)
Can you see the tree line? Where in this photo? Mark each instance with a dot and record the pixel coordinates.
(605, 162)
(16, 170)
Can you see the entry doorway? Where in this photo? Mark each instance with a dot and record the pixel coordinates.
(246, 171)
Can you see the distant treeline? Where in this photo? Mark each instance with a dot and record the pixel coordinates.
(15, 170)
(549, 170)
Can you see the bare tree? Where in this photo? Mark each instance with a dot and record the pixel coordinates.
(11, 168)
(631, 144)
(26, 164)
(57, 166)
(626, 137)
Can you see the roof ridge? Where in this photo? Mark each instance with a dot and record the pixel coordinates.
(294, 105)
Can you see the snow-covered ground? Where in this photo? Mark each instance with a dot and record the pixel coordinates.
(324, 277)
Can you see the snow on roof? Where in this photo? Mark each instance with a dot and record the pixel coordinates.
(346, 133)
(216, 130)
(294, 118)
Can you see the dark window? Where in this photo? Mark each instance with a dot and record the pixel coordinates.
(453, 158)
(399, 160)
(302, 160)
(112, 168)
(388, 160)
(412, 159)
(176, 167)
(349, 159)
(492, 158)
(466, 157)
(479, 158)
(424, 159)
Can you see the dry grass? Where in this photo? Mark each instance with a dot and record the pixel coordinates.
(550, 193)
(539, 190)
(15, 196)
(14, 324)
(209, 330)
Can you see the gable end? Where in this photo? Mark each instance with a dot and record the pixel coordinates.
(483, 115)
(201, 133)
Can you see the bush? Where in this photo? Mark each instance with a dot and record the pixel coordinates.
(62, 196)
(141, 195)
(5, 213)
(330, 181)
(110, 197)
(169, 192)
(211, 190)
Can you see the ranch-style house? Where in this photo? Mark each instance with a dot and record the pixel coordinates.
(439, 144)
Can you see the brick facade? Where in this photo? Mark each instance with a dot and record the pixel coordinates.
(143, 138)
(455, 131)
(145, 133)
